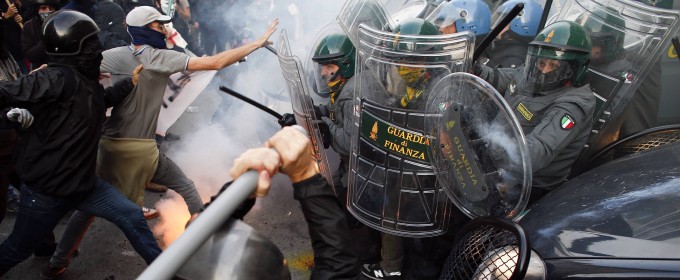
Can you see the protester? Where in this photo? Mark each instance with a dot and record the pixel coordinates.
(289, 152)
(56, 156)
(31, 35)
(128, 156)
(12, 23)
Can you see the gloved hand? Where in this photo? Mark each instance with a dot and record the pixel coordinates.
(325, 133)
(287, 120)
(21, 116)
(321, 111)
(477, 68)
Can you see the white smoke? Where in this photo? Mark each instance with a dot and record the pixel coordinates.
(206, 151)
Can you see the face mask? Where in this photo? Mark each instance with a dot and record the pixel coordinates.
(335, 87)
(414, 77)
(43, 16)
(147, 36)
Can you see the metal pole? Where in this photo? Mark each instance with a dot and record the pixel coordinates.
(173, 258)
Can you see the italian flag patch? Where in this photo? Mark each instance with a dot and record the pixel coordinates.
(567, 122)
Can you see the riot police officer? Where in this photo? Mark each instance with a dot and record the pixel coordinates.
(462, 15)
(551, 100)
(335, 58)
(607, 53)
(608, 56)
(412, 74)
(509, 48)
(408, 82)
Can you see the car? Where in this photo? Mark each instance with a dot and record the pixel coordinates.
(617, 217)
(619, 220)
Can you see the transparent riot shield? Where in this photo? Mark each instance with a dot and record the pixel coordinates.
(392, 185)
(303, 107)
(367, 12)
(406, 9)
(477, 147)
(627, 37)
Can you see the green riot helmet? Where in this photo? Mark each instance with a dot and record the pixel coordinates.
(558, 56)
(334, 49)
(338, 49)
(607, 41)
(414, 26)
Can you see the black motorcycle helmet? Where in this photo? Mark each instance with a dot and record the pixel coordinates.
(64, 32)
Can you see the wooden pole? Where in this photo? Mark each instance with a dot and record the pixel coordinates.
(20, 23)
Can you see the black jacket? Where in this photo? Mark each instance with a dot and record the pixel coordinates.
(32, 44)
(331, 240)
(57, 154)
(110, 19)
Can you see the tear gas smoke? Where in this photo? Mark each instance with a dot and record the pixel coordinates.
(205, 152)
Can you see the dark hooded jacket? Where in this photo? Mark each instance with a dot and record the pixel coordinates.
(57, 154)
(110, 19)
(31, 42)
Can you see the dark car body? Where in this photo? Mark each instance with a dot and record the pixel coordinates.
(619, 220)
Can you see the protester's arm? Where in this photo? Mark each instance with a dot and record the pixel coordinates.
(327, 224)
(115, 94)
(40, 86)
(228, 57)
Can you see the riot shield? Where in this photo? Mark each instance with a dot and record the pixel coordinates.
(367, 12)
(392, 185)
(405, 9)
(477, 147)
(627, 38)
(303, 107)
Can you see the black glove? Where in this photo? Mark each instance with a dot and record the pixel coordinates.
(287, 120)
(321, 111)
(325, 134)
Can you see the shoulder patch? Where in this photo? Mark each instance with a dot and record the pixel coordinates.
(567, 122)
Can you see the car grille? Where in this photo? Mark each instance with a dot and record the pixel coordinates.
(487, 251)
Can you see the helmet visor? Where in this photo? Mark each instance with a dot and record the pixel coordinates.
(545, 73)
(324, 74)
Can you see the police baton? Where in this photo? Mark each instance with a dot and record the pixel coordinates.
(501, 25)
(271, 49)
(174, 257)
(251, 102)
(283, 120)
